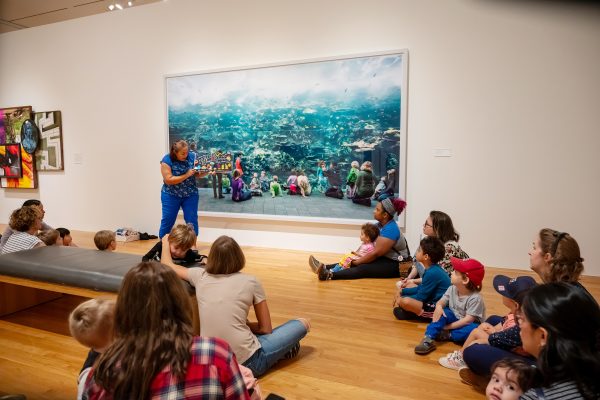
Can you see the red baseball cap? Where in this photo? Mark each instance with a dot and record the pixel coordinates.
(472, 268)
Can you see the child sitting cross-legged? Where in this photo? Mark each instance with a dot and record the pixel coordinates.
(368, 234)
(414, 300)
(461, 308)
(497, 331)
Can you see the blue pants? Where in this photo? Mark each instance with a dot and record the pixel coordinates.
(480, 358)
(274, 346)
(170, 208)
(457, 335)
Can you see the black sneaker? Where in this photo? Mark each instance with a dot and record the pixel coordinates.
(293, 352)
(404, 315)
(324, 273)
(444, 336)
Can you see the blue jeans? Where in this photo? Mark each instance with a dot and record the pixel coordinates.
(481, 357)
(170, 208)
(274, 346)
(337, 268)
(457, 335)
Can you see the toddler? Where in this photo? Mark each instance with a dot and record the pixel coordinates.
(351, 179)
(50, 237)
(105, 240)
(182, 239)
(496, 331)
(368, 234)
(65, 235)
(275, 187)
(510, 379)
(91, 324)
(264, 181)
(380, 188)
(461, 308)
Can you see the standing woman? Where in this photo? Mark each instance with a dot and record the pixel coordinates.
(155, 355)
(381, 262)
(179, 187)
(560, 327)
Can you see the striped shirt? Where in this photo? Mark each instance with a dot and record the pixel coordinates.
(562, 390)
(20, 241)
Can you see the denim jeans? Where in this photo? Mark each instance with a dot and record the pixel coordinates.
(274, 346)
(170, 208)
(457, 335)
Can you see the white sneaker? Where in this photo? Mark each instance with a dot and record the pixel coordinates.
(453, 360)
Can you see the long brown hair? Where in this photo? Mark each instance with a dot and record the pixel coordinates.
(153, 329)
(443, 227)
(566, 264)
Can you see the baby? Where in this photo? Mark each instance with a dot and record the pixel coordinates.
(368, 234)
(510, 379)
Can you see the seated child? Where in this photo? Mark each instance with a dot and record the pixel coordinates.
(181, 240)
(264, 181)
(292, 182)
(419, 300)
(65, 235)
(380, 188)
(461, 308)
(502, 334)
(351, 179)
(105, 240)
(238, 191)
(368, 234)
(91, 324)
(275, 187)
(50, 237)
(255, 185)
(510, 379)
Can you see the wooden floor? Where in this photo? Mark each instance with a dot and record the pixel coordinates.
(356, 349)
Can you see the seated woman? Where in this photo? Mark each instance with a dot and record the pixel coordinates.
(153, 312)
(555, 257)
(181, 240)
(225, 296)
(389, 247)
(238, 193)
(25, 223)
(303, 184)
(560, 325)
(365, 185)
(9, 231)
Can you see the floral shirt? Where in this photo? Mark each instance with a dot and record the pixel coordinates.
(178, 168)
(452, 250)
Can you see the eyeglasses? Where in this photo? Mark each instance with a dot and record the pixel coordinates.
(427, 225)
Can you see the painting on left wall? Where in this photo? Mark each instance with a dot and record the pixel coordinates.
(11, 123)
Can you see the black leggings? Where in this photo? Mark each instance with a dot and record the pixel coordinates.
(382, 267)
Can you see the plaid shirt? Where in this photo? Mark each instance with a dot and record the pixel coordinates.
(212, 373)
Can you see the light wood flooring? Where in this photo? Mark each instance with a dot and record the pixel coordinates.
(355, 350)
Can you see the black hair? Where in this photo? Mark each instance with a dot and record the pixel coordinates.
(524, 372)
(32, 202)
(571, 316)
(433, 247)
(63, 232)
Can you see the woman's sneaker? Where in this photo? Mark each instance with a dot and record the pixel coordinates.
(314, 264)
(323, 273)
(453, 360)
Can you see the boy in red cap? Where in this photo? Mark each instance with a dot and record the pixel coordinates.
(461, 308)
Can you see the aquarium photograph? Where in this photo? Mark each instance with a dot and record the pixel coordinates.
(320, 139)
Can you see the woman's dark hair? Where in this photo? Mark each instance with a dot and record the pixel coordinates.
(433, 247)
(32, 202)
(524, 372)
(176, 147)
(571, 317)
(566, 264)
(153, 329)
(63, 232)
(225, 257)
(237, 173)
(443, 227)
(370, 230)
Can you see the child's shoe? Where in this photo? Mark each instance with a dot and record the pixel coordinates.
(324, 273)
(426, 346)
(453, 360)
(471, 378)
(444, 336)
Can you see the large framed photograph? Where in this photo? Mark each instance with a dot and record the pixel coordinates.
(315, 140)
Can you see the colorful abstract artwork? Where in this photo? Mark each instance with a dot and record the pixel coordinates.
(49, 156)
(10, 160)
(11, 123)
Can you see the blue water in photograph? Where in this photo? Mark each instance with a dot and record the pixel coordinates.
(294, 118)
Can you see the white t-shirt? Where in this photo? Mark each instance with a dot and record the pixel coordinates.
(223, 303)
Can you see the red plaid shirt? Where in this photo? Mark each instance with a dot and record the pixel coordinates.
(212, 373)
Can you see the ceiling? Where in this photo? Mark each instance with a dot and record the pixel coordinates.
(22, 14)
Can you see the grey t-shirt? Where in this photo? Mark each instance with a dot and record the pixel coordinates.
(471, 304)
(224, 302)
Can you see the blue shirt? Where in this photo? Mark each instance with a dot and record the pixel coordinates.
(178, 168)
(433, 286)
(392, 232)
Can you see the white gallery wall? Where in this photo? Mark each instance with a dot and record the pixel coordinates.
(512, 88)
